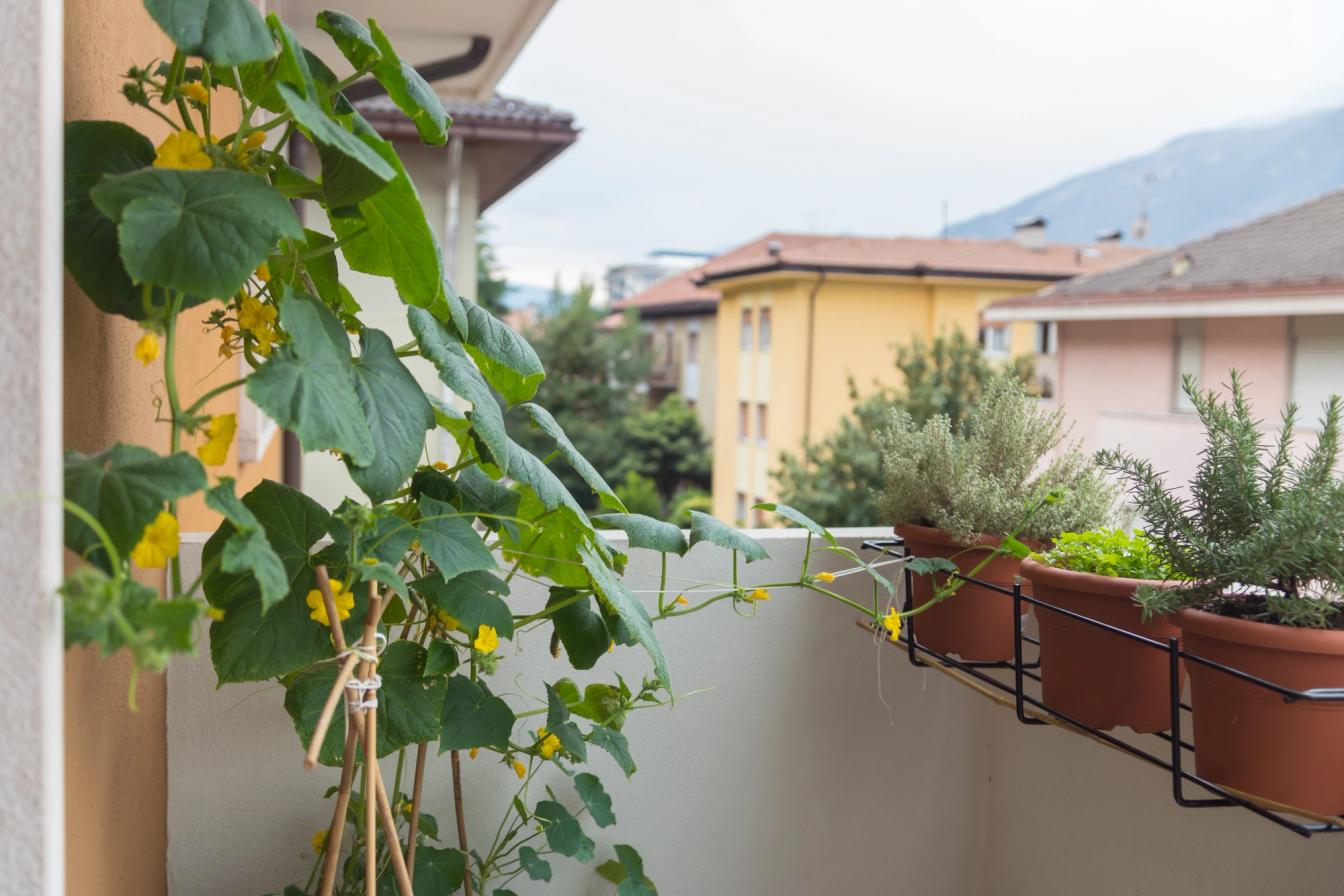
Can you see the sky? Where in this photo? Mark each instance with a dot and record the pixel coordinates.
(706, 123)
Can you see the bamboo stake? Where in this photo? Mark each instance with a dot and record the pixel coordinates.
(369, 718)
(371, 801)
(347, 669)
(329, 710)
(331, 854)
(420, 756)
(354, 735)
(461, 820)
(399, 869)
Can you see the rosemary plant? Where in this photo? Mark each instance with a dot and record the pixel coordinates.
(1258, 533)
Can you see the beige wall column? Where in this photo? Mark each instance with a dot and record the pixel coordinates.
(32, 860)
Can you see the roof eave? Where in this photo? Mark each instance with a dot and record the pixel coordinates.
(688, 308)
(880, 271)
(1246, 302)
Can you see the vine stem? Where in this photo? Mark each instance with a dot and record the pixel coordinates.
(217, 391)
(174, 411)
(461, 819)
(421, 754)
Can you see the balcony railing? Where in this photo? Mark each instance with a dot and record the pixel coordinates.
(802, 755)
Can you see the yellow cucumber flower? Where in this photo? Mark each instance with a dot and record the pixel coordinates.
(253, 314)
(892, 623)
(547, 743)
(158, 544)
(227, 335)
(263, 270)
(195, 92)
(825, 577)
(215, 613)
(184, 150)
(320, 841)
(487, 639)
(147, 349)
(681, 600)
(442, 621)
(253, 140)
(219, 436)
(758, 594)
(344, 601)
(258, 319)
(519, 769)
(473, 752)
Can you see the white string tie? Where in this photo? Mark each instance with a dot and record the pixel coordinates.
(360, 691)
(364, 653)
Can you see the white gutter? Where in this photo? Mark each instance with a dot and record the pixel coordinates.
(1248, 306)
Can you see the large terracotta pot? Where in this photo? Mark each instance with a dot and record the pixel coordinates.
(1248, 737)
(975, 623)
(1093, 676)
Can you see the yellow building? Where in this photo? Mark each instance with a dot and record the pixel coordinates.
(802, 314)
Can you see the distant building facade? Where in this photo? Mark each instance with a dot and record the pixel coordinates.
(625, 281)
(1266, 298)
(800, 315)
(678, 322)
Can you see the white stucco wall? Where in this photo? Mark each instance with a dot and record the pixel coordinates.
(789, 777)
(32, 856)
(784, 778)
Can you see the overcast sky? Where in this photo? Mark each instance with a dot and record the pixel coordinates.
(708, 122)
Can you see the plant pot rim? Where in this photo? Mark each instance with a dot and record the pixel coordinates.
(1260, 634)
(1091, 582)
(917, 532)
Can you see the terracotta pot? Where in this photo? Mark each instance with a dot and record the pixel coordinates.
(1094, 676)
(975, 623)
(1248, 737)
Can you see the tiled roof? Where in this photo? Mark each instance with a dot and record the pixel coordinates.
(1300, 249)
(497, 109)
(916, 256)
(679, 292)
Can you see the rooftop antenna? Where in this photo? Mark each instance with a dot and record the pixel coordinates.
(1141, 224)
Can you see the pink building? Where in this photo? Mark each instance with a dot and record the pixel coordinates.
(1266, 298)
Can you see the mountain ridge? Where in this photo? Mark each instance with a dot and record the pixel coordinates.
(1196, 184)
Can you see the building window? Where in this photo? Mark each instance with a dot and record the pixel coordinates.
(1318, 363)
(743, 419)
(758, 519)
(746, 329)
(669, 347)
(762, 422)
(1046, 338)
(741, 515)
(765, 329)
(994, 340)
(1189, 351)
(693, 347)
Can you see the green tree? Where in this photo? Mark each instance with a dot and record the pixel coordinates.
(667, 444)
(833, 480)
(592, 375)
(639, 494)
(491, 287)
